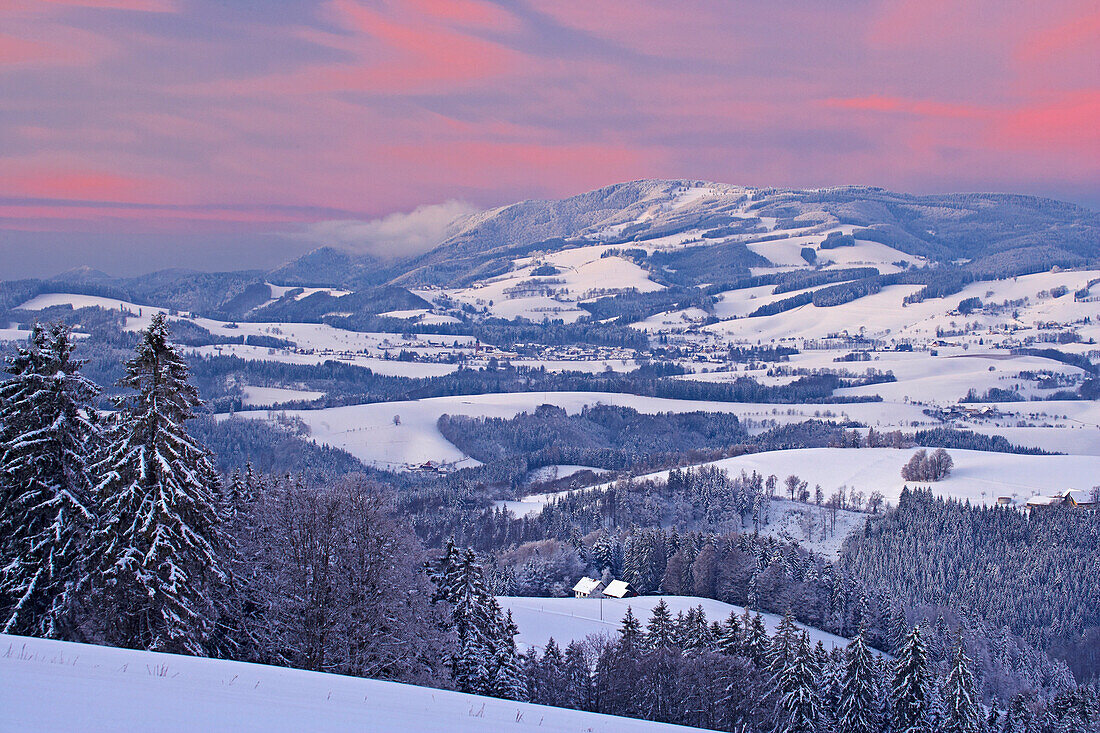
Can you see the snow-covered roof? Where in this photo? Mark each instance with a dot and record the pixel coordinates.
(1044, 500)
(1058, 497)
(587, 585)
(617, 589)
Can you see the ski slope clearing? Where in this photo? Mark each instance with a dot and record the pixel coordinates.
(978, 476)
(569, 619)
(51, 686)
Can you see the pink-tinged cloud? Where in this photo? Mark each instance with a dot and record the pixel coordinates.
(414, 54)
(1076, 32)
(1070, 125)
(19, 51)
(469, 13)
(106, 217)
(892, 105)
(78, 185)
(143, 6)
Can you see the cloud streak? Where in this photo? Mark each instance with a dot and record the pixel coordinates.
(394, 235)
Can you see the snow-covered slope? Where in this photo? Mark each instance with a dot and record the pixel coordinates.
(978, 476)
(566, 619)
(59, 687)
(370, 433)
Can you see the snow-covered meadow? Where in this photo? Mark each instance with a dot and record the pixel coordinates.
(568, 619)
(51, 686)
(979, 477)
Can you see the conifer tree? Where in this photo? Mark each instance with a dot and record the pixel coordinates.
(485, 661)
(159, 540)
(909, 699)
(962, 712)
(630, 631)
(660, 632)
(757, 644)
(783, 644)
(729, 640)
(799, 708)
(578, 679)
(47, 440)
(473, 625)
(506, 674)
(857, 712)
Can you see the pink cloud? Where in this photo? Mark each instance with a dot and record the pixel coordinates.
(145, 6)
(923, 108)
(1070, 125)
(71, 184)
(1079, 30)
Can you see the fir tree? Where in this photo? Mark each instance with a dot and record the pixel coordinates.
(506, 674)
(962, 712)
(660, 632)
(158, 544)
(729, 640)
(473, 625)
(47, 440)
(909, 699)
(757, 644)
(630, 632)
(484, 661)
(857, 712)
(783, 644)
(798, 709)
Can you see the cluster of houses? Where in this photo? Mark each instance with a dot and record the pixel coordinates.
(592, 588)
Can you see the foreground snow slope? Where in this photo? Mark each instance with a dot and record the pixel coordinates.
(566, 619)
(48, 686)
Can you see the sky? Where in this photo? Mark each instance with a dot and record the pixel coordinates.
(215, 134)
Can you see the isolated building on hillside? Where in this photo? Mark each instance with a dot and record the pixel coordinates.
(619, 589)
(588, 588)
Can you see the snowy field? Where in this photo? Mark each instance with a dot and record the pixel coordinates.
(386, 367)
(370, 434)
(882, 315)
(59, 687)
(582, 273)
(568, 619)
(317, 337)
(265, 396)
(978, 476)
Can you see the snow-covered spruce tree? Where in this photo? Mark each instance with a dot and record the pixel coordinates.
(799, 707)
(48, 436)
(962, 711)
(909, 703)
(505, 674)
(858, 709)
(484, 661)
(158, 543)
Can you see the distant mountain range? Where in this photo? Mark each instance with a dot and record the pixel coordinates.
(986, 235)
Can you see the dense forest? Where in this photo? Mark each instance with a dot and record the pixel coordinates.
(1037, 574)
